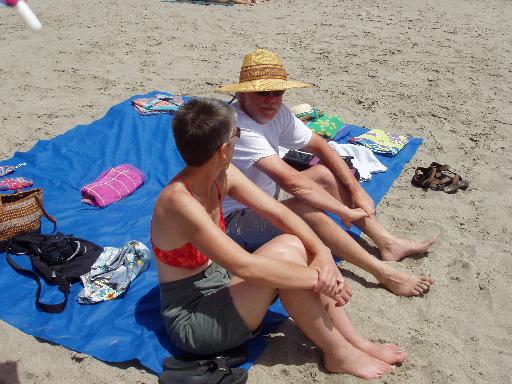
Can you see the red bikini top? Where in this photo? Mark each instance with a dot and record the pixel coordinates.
(186, 256)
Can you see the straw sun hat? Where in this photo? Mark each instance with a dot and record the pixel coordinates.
(262, 71)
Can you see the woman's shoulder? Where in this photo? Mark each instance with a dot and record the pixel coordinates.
(171, 198)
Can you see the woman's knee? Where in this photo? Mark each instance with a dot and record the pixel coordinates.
(289, 248)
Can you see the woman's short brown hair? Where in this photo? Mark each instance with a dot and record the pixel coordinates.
(200, 127)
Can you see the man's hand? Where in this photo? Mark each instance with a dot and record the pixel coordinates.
(360, 199)
(351, 215)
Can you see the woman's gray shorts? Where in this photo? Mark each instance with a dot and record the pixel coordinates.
(199, 313)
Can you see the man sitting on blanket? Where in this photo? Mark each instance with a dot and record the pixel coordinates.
(265, 124)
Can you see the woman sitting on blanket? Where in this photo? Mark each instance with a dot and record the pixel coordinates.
(214, 294)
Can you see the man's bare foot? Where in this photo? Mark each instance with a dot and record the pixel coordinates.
(403, 284)
(356, 362)
(390, 353)
(397, 248)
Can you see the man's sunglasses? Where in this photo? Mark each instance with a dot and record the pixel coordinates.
(273, 93)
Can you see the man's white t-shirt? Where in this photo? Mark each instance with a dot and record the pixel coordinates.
(262, 140)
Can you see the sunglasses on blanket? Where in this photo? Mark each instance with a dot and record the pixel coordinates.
(273, 93)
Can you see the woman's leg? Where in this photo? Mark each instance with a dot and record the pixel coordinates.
(389, 353)
(251, 301)
(339, 355)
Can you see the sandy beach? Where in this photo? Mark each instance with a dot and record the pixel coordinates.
(437, 70)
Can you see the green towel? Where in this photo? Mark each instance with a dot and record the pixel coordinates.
(326, 125)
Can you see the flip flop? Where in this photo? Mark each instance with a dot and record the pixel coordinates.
(233, 357)
(205, 370)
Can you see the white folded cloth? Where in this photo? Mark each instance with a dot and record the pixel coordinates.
(364, 159)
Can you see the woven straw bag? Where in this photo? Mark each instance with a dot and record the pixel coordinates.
(21, 212)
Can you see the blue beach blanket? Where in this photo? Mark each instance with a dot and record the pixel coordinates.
(129, 327)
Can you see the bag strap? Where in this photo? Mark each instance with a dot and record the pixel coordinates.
(48, 216)
(64, 286)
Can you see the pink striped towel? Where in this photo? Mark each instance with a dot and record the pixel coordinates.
(112, 185)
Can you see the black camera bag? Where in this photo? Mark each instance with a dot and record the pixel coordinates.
(59, 259)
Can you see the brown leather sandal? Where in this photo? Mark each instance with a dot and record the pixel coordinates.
(438, 177)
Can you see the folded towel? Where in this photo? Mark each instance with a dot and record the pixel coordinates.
(363, 159)
(112, 185)
(326, 125)
(380, 142)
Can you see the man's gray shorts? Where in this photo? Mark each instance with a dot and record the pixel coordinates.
(249, 229)
(199, 313)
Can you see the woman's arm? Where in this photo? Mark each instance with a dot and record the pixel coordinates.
(178, 219)
(245, 191)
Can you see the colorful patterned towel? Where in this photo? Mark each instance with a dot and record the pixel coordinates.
(380, 142)
(112, 185)
(14, 183)
(113, 272)
(158, 104)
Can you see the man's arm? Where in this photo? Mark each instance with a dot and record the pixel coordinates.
(299, 185)
(332, 160)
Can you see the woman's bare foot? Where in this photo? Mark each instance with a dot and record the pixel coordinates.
(403, 284)
(389, 353)
(353, 215)
(397, 248)
(356, 362)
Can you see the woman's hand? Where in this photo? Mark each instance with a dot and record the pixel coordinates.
(330, 280)
(327, 271)
(344, 295)
(342, 292)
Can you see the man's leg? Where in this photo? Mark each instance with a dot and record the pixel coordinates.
(249, 230)
(392, 248)
(343, 245)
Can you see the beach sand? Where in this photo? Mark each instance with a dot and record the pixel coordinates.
(432, 69)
